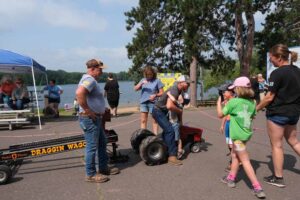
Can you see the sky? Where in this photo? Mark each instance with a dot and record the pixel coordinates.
(64, 34)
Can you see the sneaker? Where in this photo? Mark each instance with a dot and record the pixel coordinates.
(98, 178)
(110, 171)
(259, 193)
(230, 183)
(174, 161)
(272, 180)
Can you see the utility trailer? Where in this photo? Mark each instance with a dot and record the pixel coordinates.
(12, 158)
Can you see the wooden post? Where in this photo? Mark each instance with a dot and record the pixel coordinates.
(193, 86)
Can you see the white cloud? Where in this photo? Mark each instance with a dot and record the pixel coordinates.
(13, 14)
(66, 16)
(74, 59)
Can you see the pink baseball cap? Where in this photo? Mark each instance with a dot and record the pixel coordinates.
(242, 81)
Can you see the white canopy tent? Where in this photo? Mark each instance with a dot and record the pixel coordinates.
(14, 63)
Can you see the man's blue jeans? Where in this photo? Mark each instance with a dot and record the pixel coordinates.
(95, 144)
(168, 131)
(19, 104)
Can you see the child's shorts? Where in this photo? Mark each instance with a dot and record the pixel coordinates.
(227, 135)
(176, 130)
(239, 145)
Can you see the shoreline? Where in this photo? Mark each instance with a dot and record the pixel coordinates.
(121, 110)
(129, 109)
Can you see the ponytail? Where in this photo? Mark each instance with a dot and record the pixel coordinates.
(282, 51)
(293, 56)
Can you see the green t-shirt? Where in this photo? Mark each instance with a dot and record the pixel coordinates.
(241, 113)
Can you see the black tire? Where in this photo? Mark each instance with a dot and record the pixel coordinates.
(153, 150)
(5, 174)
(196, 147)
(137, 137)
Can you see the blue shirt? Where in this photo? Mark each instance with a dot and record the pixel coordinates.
(54, 91)
(152, 87)
(95, 98)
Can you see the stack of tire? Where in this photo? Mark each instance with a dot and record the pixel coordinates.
(151, 148)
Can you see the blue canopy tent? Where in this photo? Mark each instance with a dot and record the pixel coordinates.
(14, 63)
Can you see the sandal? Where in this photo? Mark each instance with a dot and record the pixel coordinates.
(99, 178)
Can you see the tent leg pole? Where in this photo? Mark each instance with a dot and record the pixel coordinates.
(36, 98)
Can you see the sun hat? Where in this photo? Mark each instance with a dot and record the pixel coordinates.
(242, 81)
(93, 63)
(184, 78)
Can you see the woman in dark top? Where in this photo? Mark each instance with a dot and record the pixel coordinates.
(112, 93)
(283, 108)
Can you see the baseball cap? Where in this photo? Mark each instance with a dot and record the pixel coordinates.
(184, 78)
(93, 63)
(242, 81)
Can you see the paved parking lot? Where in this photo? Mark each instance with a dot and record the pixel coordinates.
(61, 176)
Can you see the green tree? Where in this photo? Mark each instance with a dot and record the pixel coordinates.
(238, 15)
(63, 77)
(281, 26)
(176, 35)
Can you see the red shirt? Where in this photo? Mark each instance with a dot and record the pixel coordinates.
(7, 88)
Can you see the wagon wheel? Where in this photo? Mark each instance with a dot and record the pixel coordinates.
(5, 174)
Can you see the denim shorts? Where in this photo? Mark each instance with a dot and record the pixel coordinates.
(147, 107)
(283, 120)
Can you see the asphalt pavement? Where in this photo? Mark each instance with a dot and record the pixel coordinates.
(61, 176)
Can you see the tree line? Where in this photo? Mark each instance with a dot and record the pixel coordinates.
(62, 77)
(193, 36)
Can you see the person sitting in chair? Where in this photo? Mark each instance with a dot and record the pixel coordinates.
(7, 86)
(19, 95)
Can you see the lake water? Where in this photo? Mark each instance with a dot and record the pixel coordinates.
(128, 96)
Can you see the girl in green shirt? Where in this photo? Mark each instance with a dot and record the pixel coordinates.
(241, 110)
